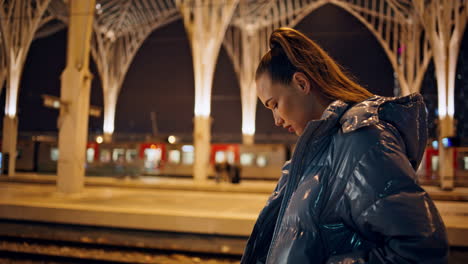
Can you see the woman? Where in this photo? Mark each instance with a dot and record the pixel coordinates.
(349, 193)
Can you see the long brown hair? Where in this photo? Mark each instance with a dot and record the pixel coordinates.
(291, 51)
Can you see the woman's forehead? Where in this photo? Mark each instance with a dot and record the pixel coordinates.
(264, 87)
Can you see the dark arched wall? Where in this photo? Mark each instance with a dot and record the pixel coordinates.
(159, 80)
(41, 75)
(461, 90)
(351, 44)
(226, 107)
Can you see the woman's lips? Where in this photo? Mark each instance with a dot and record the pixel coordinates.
(290, 129)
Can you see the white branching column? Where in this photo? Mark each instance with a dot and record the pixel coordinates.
(245, 45)
(388, 20)
(119, 30)
(445, 23)
(19, 21)
(75, 91)
(205, 22)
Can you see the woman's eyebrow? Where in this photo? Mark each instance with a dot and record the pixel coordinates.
(267, 101)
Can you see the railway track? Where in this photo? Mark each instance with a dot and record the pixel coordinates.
(32, 243)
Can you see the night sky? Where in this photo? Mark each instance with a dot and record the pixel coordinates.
(160, 79)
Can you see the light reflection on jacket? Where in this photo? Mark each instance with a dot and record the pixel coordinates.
(349, 194)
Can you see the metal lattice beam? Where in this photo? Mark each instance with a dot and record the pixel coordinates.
(120, 28)
(393, 23)
(398, 31)
(119, 31)
(20, 20)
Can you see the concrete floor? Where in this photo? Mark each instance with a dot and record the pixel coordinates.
(224, 209)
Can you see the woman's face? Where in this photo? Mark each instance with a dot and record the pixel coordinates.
(293, 105)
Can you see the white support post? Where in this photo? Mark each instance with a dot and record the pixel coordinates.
(445, 23)
(245, 59)
(446, 155)
(201, 134)
(120, 29)
(75, 91)
(19, 22)
(205, 22)
(10, 136)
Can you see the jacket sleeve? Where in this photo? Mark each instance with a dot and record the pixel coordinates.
(386, 206)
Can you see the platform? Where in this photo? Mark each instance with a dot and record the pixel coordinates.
(193, 209)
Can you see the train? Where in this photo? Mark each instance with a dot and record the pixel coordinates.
(258, 161)
(120, 159)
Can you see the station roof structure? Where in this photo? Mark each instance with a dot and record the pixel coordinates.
(125, 30)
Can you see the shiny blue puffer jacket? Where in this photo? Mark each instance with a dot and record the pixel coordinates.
(349, 193)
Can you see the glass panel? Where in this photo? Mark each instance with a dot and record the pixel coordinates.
(90, 155)
(54, 154)
(187, 148)
(231, 157)
(262, 161)
(118, 154)
(105, 155)
(247, 159)
(465, 159)
(435, 163)
(220, 157)
(174, 156)
(187, 158)
(131, 155)
(152, 158)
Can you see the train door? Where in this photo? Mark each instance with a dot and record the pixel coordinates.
(153, 156)
(92, 152)
(224, 153)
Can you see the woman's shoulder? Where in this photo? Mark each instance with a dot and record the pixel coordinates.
(402, 116)
(383, 121)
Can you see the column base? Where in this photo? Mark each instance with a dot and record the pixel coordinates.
(201, 140)
(248, 139)
(9, 142)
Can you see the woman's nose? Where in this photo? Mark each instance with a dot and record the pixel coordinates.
(278, 120)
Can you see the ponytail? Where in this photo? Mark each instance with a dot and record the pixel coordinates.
(291, 51)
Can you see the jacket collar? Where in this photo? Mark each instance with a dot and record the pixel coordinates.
(330, 117)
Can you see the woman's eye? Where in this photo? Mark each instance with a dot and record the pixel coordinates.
(275, 106)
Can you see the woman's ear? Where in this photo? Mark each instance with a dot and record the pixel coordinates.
(301, 81)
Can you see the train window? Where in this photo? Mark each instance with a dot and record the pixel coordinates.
(54, 154)
(220, 157)
(247, 159)
(187, 148)
(435, 163)
(174, 156)
(231, 157)
(118, 154)
(187, 154)
(465, 161)
(105, 155)
(90, 155)
(131, 155)
(261, 161)
(223, 156)
(152, 158)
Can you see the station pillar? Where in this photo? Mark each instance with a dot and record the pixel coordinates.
(74, 97)
(201, 139)
(9, 141)
(247, 139)
(446, 154)
(107, 137)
